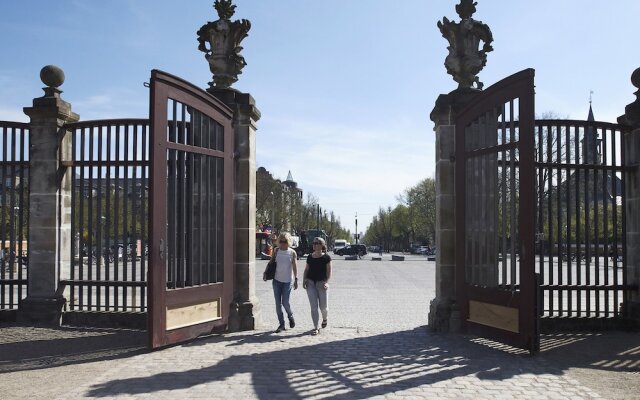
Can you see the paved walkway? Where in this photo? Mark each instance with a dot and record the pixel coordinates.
(367, 352)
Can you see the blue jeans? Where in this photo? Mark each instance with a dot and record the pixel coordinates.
(282, 291)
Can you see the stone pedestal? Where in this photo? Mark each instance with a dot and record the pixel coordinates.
(50, 205)
(442, 312)
(631, 118)
(245, 311)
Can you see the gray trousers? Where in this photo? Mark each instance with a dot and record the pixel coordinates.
(317, 298)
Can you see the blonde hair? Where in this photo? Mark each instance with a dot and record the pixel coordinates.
(285, 236)
(321, 240)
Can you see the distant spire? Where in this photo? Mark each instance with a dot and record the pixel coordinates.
(591, 151)
(290, 177)
(590, 118)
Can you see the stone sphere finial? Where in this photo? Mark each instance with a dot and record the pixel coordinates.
(631, 115)
(635, 78)
(52, 76)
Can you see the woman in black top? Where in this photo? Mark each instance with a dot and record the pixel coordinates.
(317, 274)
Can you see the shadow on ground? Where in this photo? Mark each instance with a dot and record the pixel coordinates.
(28, 348)
(364, 367)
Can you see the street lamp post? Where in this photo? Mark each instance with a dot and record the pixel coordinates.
(357, 228)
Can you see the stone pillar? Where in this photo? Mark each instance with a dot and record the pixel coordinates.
(245, 311)
(49, 202)
(441, 317)
(631, 118)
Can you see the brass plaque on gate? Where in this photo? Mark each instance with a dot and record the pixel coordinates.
(182, 316)
(493, 315)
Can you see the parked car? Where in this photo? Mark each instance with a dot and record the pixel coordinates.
(415, 249)
(352, 250)
(339, 244)
(426, 250)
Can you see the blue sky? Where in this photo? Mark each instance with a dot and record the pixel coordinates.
(345, 87)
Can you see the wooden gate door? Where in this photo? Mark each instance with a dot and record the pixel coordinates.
(191, 214)
(495, 209)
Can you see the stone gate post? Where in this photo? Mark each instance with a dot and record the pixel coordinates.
(441, 317)
(245, 312)
(464, 61)
(49, 202)
(631, 118)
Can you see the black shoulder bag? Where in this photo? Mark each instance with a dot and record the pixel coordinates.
(270, 272)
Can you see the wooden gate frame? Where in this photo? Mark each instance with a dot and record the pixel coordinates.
(164, 87)
(518, 86)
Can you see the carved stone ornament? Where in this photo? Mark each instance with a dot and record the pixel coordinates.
(465, 59)
(220, 41)
(632, 111)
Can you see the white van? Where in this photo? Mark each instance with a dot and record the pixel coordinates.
(338, 244)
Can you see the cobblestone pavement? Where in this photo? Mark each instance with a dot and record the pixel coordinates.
(376, 346)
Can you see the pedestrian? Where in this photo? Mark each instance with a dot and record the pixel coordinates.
(286, 277)
(317, 274)
(380, 250)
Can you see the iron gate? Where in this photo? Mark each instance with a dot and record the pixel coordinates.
(109, 219)
(580, 223)
(191, 213)
(495, 208)
(14, 213)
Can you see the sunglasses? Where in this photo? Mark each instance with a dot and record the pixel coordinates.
(317, 242)
(283, 241)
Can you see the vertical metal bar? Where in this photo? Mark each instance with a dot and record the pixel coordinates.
(181, 206)
(201, 206)
(109, 214)
(196, 201)
(587, 233)
(503, 210)
(568, 241)
(24, 216)
(578, 219)
(125, 220)
(210, 210)
(92, 222)
(117, 217)
(220, 222)
(100, 215)
(144, 216)
(133, 247)
(76, 257)
(596, 226)
(614, 212)
(12, 219)
(552, 243)
(512, 198)
(78, 142)
(3, 233)
(626, 292)
(172, 174)
(559, 216)
(539, 206)
(605, 219)
(189, 210)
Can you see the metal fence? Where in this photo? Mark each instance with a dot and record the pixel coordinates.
(14, 213)
(580, 221)
(109, 219)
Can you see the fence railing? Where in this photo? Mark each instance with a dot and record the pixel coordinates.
(109, 219)
(581, 246)
(14, 213)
